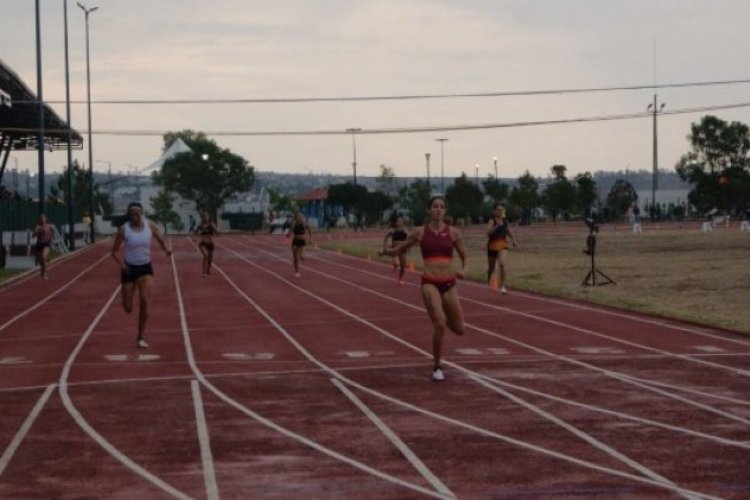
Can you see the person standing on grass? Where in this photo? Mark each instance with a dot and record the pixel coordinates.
(299, 230)
(498, 232)
(437, 240)
(397, 235)
(43, 234)
(206, 230)
(134, 236)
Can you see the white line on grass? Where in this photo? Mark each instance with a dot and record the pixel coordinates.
(397, 441)
(209, 476)
(438, 416)
(15, 443)
(88, 429)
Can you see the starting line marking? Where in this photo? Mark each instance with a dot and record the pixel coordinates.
(243, 356)
(14, 360)
(118, 358)
(598, 350)
(479, 351)
(367, 354)
(709, 348)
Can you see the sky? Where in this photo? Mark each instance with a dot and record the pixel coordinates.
(248, 49)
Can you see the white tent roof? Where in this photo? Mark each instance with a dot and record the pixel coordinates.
(176, 148)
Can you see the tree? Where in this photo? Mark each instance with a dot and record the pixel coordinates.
(386, 181)
(281, 202)
(372, 205)
(586, 192)
(526, 196)
(621, 197)
(81, 183)
(163, 213)
(464, 198)
(415, 197)
(208, 175)
(559, 197)
(717, 165)
(346, 194)
(495, 189)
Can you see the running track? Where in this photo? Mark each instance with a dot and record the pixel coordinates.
(258, 384)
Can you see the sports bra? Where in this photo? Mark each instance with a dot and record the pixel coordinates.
(398, 235)
(438, 246)
(204, 230)
(500, 232)
(298, 229)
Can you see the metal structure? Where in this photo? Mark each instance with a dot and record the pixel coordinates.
(92, 210)
(354, 149)
(655, 181)
(442, 164)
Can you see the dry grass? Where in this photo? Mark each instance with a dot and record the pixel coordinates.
(677, 273)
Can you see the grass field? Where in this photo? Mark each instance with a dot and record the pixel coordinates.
(672, 272)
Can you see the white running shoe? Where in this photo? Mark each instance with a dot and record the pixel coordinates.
(437, 375)
(503, 289)
(142, 344)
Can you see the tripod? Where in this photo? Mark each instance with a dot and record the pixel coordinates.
(590, 279)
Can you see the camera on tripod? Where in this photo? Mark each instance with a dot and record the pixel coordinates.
(591, 240)
(590, 250)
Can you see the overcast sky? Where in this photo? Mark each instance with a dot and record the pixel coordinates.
(168, 49)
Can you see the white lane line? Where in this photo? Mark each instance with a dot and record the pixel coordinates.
(15, 443)
(268, 422)
(609, 373)
(437, 416)
(88, 429)
(637, 317)
(209, 476)
(51, 296)
(397, 441)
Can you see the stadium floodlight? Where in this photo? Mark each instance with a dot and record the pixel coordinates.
(495, 160)
(92, 209)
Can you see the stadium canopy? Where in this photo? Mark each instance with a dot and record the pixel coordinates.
(19, 120)
(177, 147)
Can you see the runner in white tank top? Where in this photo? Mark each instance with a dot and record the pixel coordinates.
(135, 236)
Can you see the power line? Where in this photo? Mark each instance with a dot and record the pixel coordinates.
(293, 100)
(411, 130)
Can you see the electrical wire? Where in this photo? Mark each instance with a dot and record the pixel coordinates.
(294, 100)
(408, 130)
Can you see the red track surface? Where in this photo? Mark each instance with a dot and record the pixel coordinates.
(259, 384)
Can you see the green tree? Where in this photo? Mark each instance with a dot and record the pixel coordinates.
(586, 192)
(208, 175)
(386, 181)
(464, 198)
(281, 202)
(717, 165)
(526, 196)
(81, 183)
(346, 195)
(559, 197)
(163, 213)
(372, 205)
(621, 197)
(415, 197)
(495, 189)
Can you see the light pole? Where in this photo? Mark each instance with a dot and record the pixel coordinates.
(442, 164)
(354, 150)
(40, 109)
(427, 158)
(476, 174)
(71, 227)
(655, 109)
(92, 212)
(495, 160)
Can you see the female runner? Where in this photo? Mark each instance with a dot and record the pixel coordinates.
(135, 236)
(498, 232)
(206, 230)
(437, 241)
(397, 235)
(43, 234)
(299, 229)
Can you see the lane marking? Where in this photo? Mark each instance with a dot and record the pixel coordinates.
(243, 356)
(397, 441)
(597, 350)
(709, 348)
(14, 360)
(358, 354)
(501, 437)
(639, 382)
(15, 443)
(88, 429)
(116, 357)
(49, 297)
(268, 422)
(209, 476)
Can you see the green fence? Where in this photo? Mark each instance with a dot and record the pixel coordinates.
(19, 215)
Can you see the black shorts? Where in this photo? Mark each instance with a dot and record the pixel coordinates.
(298, 243)
(41, 246)
(492, 254)
(135, 272)
(208, 246)
(442, 286)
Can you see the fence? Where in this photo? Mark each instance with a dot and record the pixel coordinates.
(19, 215)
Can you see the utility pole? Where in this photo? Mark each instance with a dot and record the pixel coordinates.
(427, 158)
(354, 150)
(655, 109)
(92, 211)
(442, 164)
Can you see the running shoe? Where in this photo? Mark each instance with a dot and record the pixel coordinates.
(503, 289)
(142, 344)
(437, 375)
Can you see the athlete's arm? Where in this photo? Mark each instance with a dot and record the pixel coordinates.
(157, 234)
(388, 235)
(119, 238)
(512, 238)
(491, 224)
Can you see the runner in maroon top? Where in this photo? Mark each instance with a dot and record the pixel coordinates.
(43, 234)
(437, 241)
